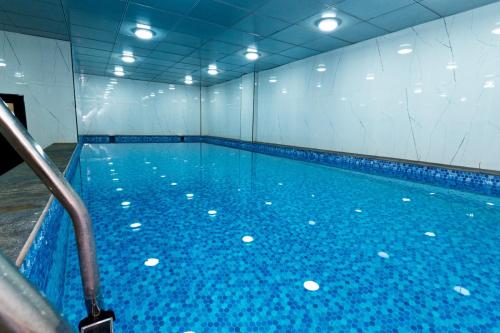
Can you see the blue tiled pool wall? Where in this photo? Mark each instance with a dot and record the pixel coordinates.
(139, 138)
(476, 182)
(481, 183)
(45, 263)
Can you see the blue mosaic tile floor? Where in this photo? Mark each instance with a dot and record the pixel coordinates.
(201, 238)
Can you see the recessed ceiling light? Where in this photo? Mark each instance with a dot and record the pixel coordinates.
(370, 76)
(405, 49)
(128, 57)
(143, 31)
(328, 22)
(172, 86)
(2, 63)
(188, 79)
(496, 31)
(119, 71)
(273, 79)
(252, 54)
(321, 68)
(212, 70)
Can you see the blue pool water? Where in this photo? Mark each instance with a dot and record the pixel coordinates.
(387, 255)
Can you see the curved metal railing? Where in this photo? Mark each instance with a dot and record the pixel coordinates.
(33, 154)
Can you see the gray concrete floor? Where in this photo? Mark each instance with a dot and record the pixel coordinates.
(23, 198)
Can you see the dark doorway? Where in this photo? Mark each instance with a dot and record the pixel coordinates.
(9, 156)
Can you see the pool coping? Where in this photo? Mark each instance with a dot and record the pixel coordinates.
(480, 181)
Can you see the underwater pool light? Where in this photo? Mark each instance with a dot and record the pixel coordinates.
(384, 255)
(430, 234)
(135, 225)
(151, 262)
(247, 239)
(311, 285)
(212, 212)
(461, 290)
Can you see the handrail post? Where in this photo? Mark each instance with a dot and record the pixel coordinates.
(33, 154)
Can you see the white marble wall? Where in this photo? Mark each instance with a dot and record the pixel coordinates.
(136, 107)
(247, 106)
(227, 109)
(40, 70)
(373, 100)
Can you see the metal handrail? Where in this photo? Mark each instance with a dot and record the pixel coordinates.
(23, 308)
(33, 154)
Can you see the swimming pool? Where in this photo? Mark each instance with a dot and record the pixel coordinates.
(203, 238)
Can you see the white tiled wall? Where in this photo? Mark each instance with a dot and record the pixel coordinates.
(227, 109)
(40, 70)
(373, 100)
(136, 107)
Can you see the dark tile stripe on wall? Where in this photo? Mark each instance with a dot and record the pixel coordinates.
(45, 262)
